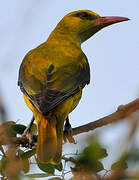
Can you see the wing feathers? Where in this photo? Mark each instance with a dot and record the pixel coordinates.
(61, 83)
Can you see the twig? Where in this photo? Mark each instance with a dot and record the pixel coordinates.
(69, 159)
(119, 175)
(28, 129)
(2, 111)
(123, 111)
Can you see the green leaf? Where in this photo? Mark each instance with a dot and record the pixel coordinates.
(97, 167)
(47, 167)
(133, 156)
(94, 150)
(71, 159)
(25, 165)
(20, 152)
(19, 128)
(2, 165)
(37, 175)
(89, 165)
(24, 161)
(59, 167)
(28, 154)
(90, 156)
(119, 165)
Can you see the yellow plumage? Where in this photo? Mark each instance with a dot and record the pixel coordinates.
(53, 75)
(50, 140)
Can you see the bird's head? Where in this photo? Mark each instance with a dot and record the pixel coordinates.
(84, 23)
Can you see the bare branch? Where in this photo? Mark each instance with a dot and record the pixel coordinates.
(123, 111)
(3, 115)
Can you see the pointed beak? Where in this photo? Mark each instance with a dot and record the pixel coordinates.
(106, 21)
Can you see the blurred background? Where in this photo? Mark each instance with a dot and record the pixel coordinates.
(112, 54)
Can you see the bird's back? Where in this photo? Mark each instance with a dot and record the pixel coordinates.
(53, 68)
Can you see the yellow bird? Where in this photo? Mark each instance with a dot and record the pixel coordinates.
(53, 75)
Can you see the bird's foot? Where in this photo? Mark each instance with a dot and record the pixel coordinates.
(31, 141)
(68, 132)
(28, 134)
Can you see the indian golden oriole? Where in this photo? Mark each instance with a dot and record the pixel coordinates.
(53, 75)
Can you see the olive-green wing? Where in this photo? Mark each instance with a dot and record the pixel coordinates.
(61, 83)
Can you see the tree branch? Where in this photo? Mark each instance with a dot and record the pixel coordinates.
(3, 116)
(123, 111)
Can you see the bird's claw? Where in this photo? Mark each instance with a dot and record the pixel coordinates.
(68, 132)
(68, 136)
(30, 138)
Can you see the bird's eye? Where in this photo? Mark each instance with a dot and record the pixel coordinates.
(85, 16)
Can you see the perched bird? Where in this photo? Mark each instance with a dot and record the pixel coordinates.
(53, 75)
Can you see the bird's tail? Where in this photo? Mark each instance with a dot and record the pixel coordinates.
(50, 137)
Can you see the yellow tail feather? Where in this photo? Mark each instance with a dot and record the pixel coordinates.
(50, 129)
(50, 136)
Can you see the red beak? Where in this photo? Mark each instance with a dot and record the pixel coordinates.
(106, 21)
